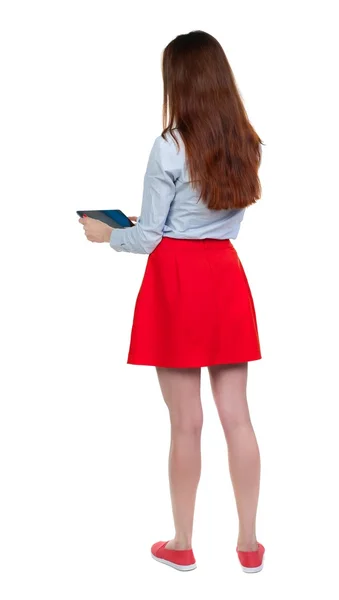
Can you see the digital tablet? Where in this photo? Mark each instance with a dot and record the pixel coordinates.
(113, 218)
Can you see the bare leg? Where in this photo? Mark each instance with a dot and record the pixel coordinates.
(228, 383)
(181, 392)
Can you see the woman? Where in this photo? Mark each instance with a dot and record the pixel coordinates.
(195, 307)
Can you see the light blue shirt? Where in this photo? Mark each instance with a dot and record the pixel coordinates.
(170, 206)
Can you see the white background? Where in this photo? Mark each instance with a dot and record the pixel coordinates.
(84, 436)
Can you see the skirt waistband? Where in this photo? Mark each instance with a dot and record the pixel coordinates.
(196, 240)
(179, 245)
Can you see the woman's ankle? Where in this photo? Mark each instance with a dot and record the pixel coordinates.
(181, 543)
(247, 544)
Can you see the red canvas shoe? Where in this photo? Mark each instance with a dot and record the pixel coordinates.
(183, 560)
(252, 562)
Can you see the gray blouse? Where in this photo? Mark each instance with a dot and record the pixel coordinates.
(170, 206)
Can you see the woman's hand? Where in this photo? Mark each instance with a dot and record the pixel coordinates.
(133, 218)
(96, 231)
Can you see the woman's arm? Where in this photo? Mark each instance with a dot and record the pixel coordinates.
(158, 193)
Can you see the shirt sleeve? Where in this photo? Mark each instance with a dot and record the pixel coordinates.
(158, 193)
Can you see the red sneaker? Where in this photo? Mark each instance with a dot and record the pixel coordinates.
(253, 561)
(183, 560)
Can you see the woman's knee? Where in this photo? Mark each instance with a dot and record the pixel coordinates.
(187, 424)
(231, 420)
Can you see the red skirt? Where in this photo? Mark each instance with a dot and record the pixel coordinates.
(194, 307)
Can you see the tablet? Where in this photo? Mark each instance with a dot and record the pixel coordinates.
(113, 218)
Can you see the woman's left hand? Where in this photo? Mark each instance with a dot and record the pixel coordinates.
(96, 231)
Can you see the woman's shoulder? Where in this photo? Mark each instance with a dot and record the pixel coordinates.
(170, 150)
(170, 140)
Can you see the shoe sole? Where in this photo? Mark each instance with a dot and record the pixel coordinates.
(253, 569)
(174, 565)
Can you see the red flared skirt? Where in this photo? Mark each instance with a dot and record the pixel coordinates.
(194, 307)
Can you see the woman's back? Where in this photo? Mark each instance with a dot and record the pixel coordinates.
(189, 218)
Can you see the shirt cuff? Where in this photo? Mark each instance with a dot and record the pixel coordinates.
(116, 240)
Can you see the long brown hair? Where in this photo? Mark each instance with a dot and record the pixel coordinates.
(223, 151)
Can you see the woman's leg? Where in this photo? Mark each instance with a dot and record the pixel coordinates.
(228, 383)
(181, 392)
